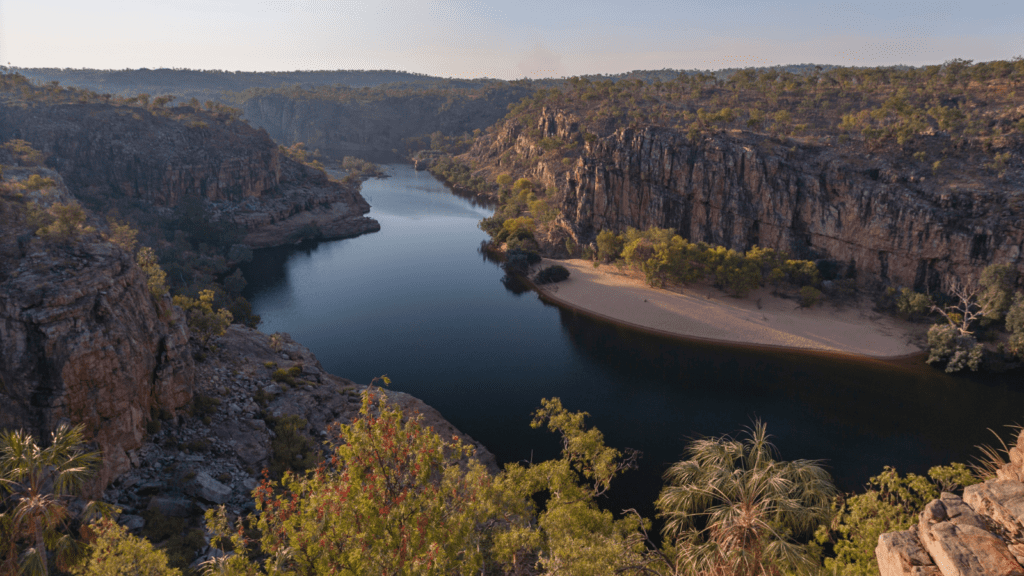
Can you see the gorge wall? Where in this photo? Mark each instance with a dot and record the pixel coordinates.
(885, 223)
(107, 152)
(83, 341)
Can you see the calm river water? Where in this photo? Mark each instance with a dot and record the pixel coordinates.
(417, 301)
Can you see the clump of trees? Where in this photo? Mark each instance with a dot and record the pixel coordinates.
(664, 256)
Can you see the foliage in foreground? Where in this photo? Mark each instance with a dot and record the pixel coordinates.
(891, 503)
(115, 552)
(40, 483)
(731, 508)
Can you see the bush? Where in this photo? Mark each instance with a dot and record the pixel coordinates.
(910, 303)
(609, 246)
(287, 376)
(203, 322)
(65, 222)
(291, 450)
(958, 351)
(115, 552)
(552, 274)
(809, 296)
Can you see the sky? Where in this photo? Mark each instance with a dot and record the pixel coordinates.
(505, 39)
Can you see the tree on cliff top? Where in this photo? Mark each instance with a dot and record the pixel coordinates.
(40, 483)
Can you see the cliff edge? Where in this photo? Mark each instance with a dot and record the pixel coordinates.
(981, 534)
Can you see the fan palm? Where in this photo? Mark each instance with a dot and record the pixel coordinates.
(731, 508)
(40, 482)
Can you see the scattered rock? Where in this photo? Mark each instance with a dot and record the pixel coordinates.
(206, 487)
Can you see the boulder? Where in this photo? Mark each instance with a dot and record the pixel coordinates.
(206, 487)
(956, 539)
(901, 554)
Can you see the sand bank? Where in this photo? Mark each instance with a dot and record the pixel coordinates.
(707, 313)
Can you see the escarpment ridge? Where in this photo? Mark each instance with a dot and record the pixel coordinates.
(882, 221)
(112, 151)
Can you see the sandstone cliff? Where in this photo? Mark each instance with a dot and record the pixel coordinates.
(82, 340)
(163, 156)
(884, 222)
(981, 534)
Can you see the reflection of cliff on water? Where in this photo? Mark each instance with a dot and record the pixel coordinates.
(858, 415)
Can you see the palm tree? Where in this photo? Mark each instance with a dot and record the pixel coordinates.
(40, 482)
(732, 509)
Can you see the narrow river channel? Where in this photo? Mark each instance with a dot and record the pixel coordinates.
(417, 301)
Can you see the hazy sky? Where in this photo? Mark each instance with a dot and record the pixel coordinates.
(501, 39)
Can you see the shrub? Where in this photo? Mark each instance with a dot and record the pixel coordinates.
(116, 552)
(157, 278)
(287, 376)
(890, 504)
(66, 222)
(37, 182)
(958, 351)
(609, 246)
(203, 321)
(552, 274)
(910, 303)
(291, 450)
(809, 296)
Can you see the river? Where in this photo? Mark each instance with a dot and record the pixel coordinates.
(418, 302)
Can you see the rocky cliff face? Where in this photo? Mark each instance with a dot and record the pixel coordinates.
(83, 341)
(980, 534)
(106, 152)
(131, 151)
(886, 223)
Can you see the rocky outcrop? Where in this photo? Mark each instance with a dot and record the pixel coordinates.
(215, 453)
(106, 153)
(83, 341)
(133, 152)
(981, 534)
(885, 223)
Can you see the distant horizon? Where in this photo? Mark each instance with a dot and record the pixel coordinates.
(413, 73)
(501, 39)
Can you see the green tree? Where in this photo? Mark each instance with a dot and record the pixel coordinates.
(115, 552)
(392, 499)
(67, 222)
(41, 483)
(910, 304)
(731, 508)
(572, 534)
(996, 284)
(890, 504)
(203, 321)
(1015, 325)
(609, 246)
(156, 277)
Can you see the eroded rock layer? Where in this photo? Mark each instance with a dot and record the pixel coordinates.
(981, 534)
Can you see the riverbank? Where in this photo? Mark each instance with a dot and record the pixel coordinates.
(707, 313)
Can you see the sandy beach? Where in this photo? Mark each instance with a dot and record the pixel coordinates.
(707, 313)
